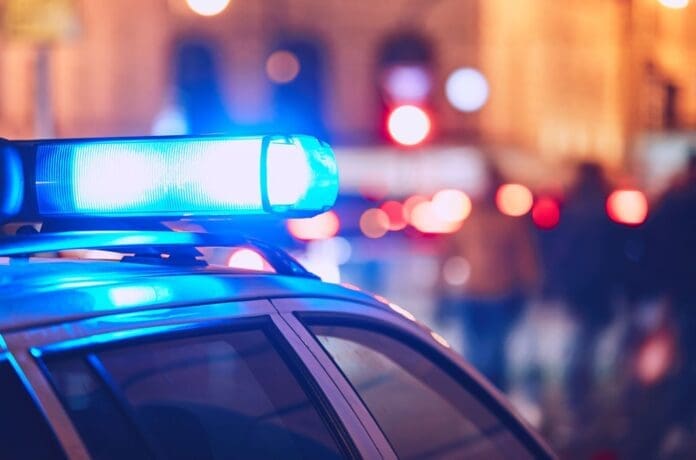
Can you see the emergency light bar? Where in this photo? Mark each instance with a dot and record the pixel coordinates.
(220, 176)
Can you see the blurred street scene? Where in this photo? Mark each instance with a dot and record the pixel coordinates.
(520, 175)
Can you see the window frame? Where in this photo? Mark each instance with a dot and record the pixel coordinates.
(6, 359)
(22, 342)
(81, 330)
(412, 334)
(88, 348)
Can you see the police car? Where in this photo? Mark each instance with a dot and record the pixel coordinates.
(120, 339)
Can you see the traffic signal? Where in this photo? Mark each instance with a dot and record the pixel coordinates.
(405, 88)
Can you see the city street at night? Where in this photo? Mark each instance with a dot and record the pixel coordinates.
(348, 229)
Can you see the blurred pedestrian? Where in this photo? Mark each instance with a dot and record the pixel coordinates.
(499, 253)
(587, 257)
(672, 261)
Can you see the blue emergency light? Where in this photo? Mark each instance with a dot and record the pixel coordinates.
(209, 176)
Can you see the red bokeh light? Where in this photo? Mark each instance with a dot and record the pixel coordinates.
(395, 212)
(546, 213)
(628, 207)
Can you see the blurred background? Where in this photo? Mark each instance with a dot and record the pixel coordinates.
(519, 175)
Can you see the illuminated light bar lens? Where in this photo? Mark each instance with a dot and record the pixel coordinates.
(215, 176)
(301, 175)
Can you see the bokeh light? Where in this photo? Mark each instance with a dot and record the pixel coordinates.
(374, 223)
(514, 199)
(395, 212)
(340, 248)
(407, 83)
(408, 125)
(451, 205)
(546, 213)
(247, 259)
(440, 339)
(336, 250)
(170, 122)
(374, 192)
(674, 4)
(467, 89)
(402, 311)
(282, 67)
(207, 7)
(425, 219)
(350, 286)
(628, 207)
(456, 271)
(410, 204)
(323, 226)
(655, 358)
(324, 257)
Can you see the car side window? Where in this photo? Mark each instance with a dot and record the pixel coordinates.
(215, 396)
(24, 432)
(424, 411)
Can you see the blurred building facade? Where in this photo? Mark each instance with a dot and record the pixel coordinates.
(572, 79)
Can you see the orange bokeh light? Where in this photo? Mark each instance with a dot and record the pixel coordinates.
(514, 199)
(374, 223)
(410, 203)
(628, 207)
(425, 219)
(319, 227)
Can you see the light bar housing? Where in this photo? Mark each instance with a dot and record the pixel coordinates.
(168, 177)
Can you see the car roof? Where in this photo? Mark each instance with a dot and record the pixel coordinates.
(43, 291)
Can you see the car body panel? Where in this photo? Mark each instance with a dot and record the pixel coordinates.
(73, 304)
(66, 291)
(29, 345)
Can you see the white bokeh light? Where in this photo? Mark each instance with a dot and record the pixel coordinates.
(407, 83)
(408, 125)
(207, 7)
(451, 205)
(467, 89)
(246, 259)
(674, 4)
(456, 271)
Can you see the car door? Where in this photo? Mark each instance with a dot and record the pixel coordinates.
(228, 380)
(408, 386)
